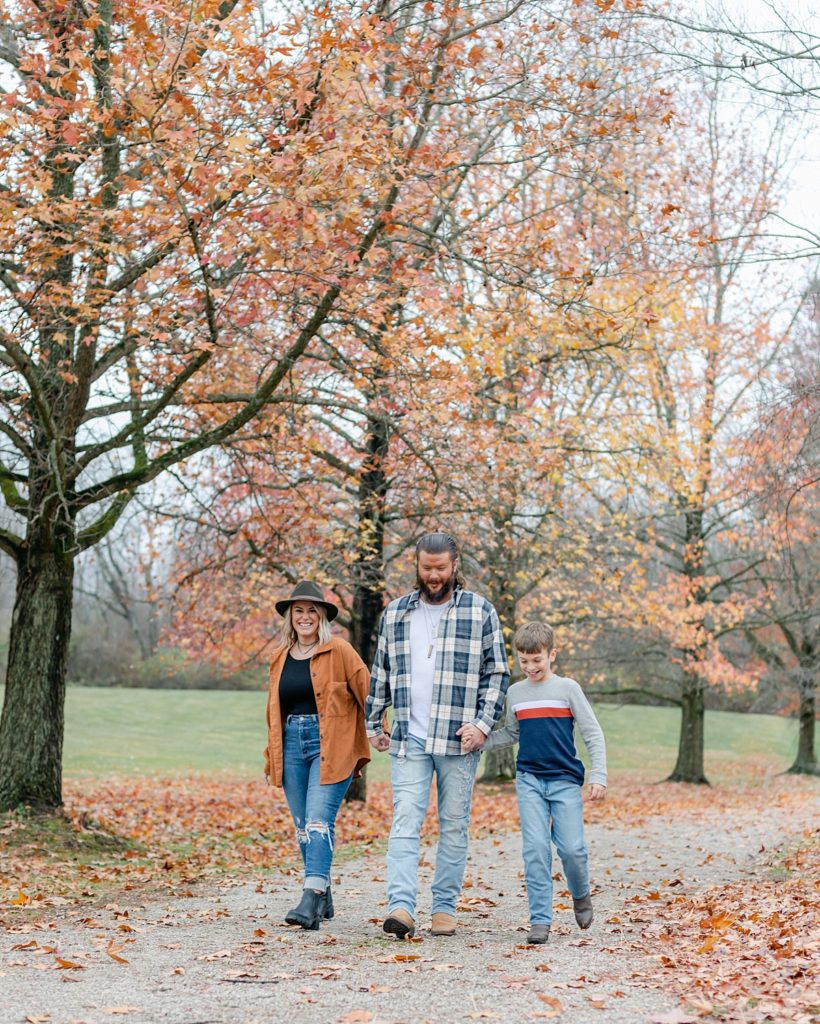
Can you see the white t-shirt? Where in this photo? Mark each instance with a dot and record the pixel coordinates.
(424, 624)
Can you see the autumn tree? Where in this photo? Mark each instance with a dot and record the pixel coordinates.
(372, 407)
(189, 199)
(702, 357)
(783, 471)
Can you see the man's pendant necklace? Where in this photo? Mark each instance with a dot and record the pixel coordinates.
(428, 625)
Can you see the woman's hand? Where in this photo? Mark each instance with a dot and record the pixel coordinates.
(380, 742)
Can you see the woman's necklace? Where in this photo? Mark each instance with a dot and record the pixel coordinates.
(304, 650)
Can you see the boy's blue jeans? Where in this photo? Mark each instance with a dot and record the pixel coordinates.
(313, 806)
(540, 800)
(411, 777)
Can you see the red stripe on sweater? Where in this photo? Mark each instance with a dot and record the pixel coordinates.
(544, 713)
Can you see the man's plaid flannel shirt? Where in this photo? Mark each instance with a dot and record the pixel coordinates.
(471, 672)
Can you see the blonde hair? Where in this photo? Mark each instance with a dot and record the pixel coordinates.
(288, 636)
(534, 637)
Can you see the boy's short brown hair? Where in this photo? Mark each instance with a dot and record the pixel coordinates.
(533, 637)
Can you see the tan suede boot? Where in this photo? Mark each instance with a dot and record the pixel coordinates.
(399, 923)
(443, 924)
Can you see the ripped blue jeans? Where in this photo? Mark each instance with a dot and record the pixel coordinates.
(312, 805)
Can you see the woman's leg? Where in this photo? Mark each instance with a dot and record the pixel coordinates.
(295, 778)
(322, 803)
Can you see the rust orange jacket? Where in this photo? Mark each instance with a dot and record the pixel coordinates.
(340, 684)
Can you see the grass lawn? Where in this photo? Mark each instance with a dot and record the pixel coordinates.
(160, 732)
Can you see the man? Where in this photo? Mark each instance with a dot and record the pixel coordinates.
(442, 664)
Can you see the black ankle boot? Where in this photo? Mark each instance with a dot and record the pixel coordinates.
(326, 905)
(307, 913)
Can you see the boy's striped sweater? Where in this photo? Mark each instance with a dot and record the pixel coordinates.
(541, 718)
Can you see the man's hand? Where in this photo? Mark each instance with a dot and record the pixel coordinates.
(472, 738)
(596, 791)
(380, 742)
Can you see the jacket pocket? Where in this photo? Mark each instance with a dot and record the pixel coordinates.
(338, 699)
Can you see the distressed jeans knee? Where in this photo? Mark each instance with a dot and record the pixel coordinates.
(313, 805)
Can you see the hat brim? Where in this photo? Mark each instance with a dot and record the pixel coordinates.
(330, 609)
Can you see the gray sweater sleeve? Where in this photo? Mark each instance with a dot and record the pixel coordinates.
(506, 735)
(591, 734)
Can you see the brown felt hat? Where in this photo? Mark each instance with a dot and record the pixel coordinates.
(305, 590)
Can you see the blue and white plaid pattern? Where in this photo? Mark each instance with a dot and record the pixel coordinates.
(471, 672)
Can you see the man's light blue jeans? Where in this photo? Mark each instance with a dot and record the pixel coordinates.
(313, 806)
(411, 777)
(540, 800)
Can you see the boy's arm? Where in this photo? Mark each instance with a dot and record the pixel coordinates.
(507, 735)
(591, 734)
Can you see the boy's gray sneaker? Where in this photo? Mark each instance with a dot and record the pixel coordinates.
(583, 911)
(539, 933)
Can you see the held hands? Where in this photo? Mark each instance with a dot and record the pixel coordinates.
(596, 791)
(472, 738)
(380, 742)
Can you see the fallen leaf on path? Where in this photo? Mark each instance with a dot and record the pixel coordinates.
(219, 955)
(356, 1017)
(553, 1003)
(38, 1020)
(113, 950)
(123, 1010)
(68, 965)
(674, 1017)
(398, 958)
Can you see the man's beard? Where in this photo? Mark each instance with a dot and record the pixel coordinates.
(439, 596)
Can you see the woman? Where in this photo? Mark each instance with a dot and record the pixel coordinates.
(316, 735)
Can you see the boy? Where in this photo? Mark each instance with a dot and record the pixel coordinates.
(541, 713)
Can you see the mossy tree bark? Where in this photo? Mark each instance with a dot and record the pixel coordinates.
(31, 728)
(805, 763)
(689, 766)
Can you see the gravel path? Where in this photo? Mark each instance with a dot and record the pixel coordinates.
(221, 956)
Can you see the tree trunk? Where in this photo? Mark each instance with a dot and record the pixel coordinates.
(499, 765)
(368, 568)
(689, 767)
(806, 763)
(31, 728)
